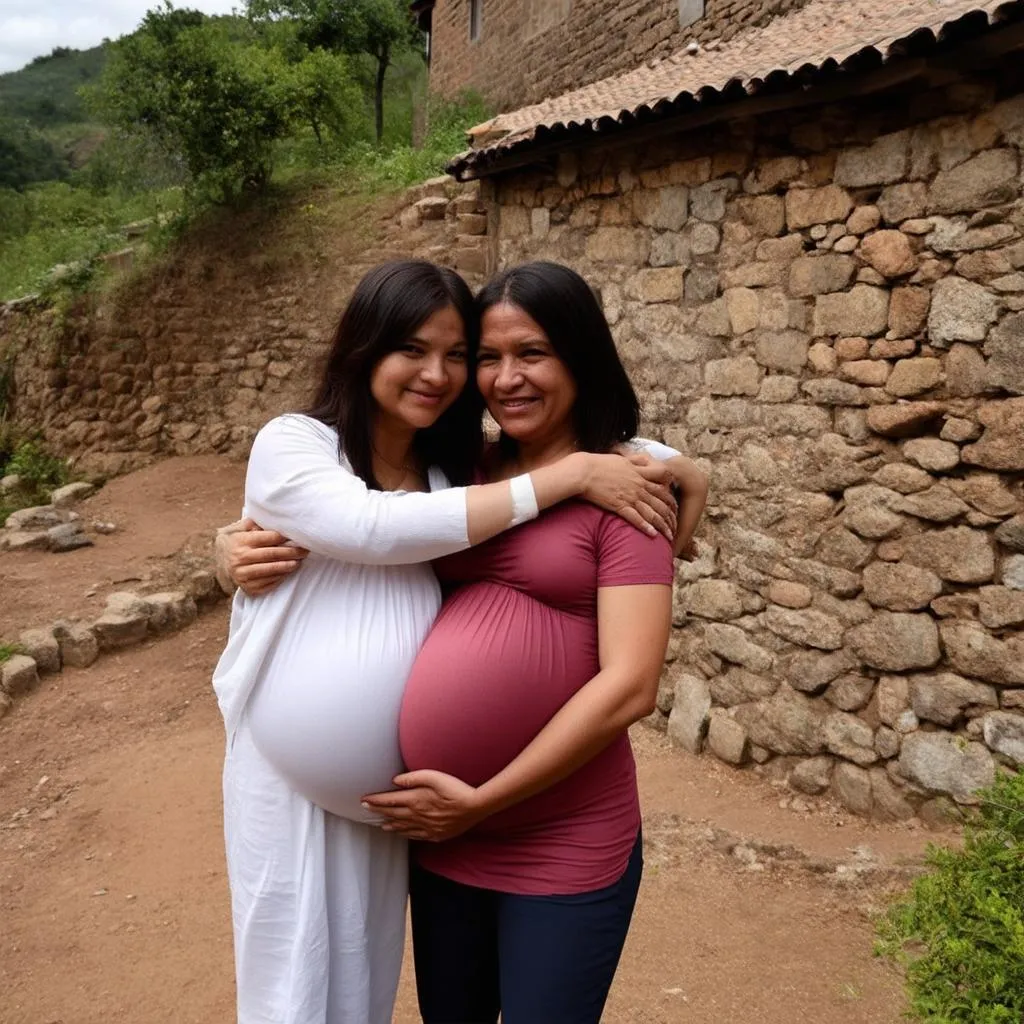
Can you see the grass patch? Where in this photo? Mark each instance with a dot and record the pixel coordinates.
(373, 170)
(62, 224)
(39, 471)
(8, 651)
(959, 933)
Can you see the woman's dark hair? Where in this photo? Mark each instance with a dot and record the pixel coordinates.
(389, 305)
(606, 411)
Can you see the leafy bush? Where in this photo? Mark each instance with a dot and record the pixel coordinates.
(960, 932)
(26, 155)
(405, 165)
(211, 93)
(40, 473)
(36, 466)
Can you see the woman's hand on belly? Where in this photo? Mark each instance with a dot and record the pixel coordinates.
(429, 806)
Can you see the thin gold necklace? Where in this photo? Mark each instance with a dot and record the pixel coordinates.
(407, 470)
(405, 467)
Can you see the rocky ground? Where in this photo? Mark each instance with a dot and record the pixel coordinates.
(756, 905)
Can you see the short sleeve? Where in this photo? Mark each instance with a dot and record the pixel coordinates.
(627, 557)
(656, 450)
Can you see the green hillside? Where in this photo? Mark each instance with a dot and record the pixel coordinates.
(44, 93)
(302, 122)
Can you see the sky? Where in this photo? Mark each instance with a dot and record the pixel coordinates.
(31, 28)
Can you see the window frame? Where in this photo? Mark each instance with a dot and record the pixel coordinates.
(476, 20)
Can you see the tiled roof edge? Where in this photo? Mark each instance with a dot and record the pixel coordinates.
(555, 122)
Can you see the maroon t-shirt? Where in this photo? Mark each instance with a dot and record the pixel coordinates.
(515, 639)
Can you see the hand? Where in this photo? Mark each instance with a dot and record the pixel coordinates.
(635, 487)
(429, 806)
(253, 559)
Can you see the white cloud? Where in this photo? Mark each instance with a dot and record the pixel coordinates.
(30, 30)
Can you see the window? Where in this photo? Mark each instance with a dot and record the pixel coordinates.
(476, 12)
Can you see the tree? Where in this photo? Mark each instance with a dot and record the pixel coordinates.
(26, 156)
(212, 97)
(379, 28)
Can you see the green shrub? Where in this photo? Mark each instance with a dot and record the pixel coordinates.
(37, 466)
(959, 933)
(210, 93)
(374, 169)
(26, 155)
(40, 473)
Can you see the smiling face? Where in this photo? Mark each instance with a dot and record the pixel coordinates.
(528, 389)
(416, 383)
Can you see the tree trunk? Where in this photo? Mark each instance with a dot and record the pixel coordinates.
(383, 60)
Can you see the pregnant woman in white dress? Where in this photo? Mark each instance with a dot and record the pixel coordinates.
(312, 676)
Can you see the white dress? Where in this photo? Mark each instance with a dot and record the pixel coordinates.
(310, 685)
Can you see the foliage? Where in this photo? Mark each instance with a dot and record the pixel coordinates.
(8, 651)
(46, 92)
(960, 931)
(130, 164)
(133, 176)
(374, 170)
(383, 29)
(26, 155)
(36, 466)
(209, 93)
(40, 473)
(59, 224)
(327, 96)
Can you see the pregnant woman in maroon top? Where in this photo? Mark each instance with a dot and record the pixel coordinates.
(514, 722)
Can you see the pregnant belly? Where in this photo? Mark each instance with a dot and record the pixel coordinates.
(495, 668)
(332, 730)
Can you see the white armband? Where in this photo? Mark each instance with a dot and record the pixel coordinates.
(524, 499)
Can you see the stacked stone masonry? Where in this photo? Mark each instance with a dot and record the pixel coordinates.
(547, 47)
(827, 310)
(201, 357)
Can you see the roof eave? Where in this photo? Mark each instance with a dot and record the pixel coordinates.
(865, 71)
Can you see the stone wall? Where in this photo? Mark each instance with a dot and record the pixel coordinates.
(827, 310)
(196, 355)
(547, 47)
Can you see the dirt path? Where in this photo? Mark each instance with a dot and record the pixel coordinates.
(114, 902)
(112, 886)
(158, 511)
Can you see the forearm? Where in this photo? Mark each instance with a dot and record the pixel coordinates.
(222, 561)
(693, 485)
(377, 529)
(691, 508)
(601, 711)
(489, 506)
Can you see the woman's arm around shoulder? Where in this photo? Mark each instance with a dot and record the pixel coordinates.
(693, 485)
(297, 486)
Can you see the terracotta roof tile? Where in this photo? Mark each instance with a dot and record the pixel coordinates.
(822, 35)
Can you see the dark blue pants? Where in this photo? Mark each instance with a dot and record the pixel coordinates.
(534, 959)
